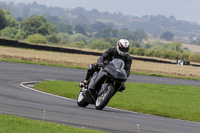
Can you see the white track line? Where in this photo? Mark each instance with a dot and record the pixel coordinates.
(32, 82)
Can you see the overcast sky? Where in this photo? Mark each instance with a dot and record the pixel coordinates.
(182, 9)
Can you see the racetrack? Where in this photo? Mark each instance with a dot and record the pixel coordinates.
(17, 100)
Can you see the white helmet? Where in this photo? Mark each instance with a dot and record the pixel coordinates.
(123, 47)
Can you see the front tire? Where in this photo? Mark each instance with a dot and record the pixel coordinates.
(104, 98)
(81, 99)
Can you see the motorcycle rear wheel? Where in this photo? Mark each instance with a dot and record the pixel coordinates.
(104, 98)
(81, 99)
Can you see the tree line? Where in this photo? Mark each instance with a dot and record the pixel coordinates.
(40, 29)
(155, 25)
(59, 31)
(171, 50)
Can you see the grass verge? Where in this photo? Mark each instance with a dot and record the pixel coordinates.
(174, 101)
(79, 67)
(41, 63)
(14, 124)
(164, 75)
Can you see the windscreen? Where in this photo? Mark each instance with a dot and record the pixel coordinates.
(118, 63)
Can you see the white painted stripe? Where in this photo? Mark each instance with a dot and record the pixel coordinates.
(30, 82)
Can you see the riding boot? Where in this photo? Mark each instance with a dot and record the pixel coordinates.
(83, 83)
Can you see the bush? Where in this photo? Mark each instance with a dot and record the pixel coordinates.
(19, 37)
(174, 55)
(112, 41)
(53, 38)
(99, 44)
(159, 53)
(9, 32)
(134, 44)
(78, 37)
(37, 38)
(132, 50)
(184, 56)
(140, 51)
(194, 57)
(64, 38)
(79, 44)
(150, 53)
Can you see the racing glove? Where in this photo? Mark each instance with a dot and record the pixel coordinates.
(101, 65)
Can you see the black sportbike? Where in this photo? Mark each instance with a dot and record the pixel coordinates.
(103, 85)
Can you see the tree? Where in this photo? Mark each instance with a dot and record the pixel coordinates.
(81, 19)
(126, 34)
(107, 32)
(80, 29)
(2, 20)
(140, 35)
(10, 22)
(52, 19)
(167, 36)
(97, 26)
(38, 25)
(78, 11)
(175, 46)
(6, 20)
(64, 28)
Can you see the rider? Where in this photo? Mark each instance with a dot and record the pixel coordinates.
(120, 52)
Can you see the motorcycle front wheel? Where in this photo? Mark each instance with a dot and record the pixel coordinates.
(81, 99)
(104, 98)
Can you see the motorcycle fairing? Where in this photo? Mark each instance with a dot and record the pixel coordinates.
(115, 72)
(97, 78)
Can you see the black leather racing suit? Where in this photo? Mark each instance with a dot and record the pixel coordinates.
(108, 56)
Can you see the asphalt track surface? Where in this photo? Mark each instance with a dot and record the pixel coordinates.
(18, 100)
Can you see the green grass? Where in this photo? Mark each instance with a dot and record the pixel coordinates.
(174, 101)
(14, 124)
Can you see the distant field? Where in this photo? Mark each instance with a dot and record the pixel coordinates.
(85, 60)
(191, 47)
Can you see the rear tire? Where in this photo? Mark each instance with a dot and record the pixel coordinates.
(103, 100)
(81, 99)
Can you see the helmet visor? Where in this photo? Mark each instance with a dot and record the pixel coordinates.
(123, 49)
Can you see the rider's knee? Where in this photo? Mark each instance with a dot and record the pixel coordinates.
(92, 67)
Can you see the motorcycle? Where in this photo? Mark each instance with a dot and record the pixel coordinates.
(103, 85)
